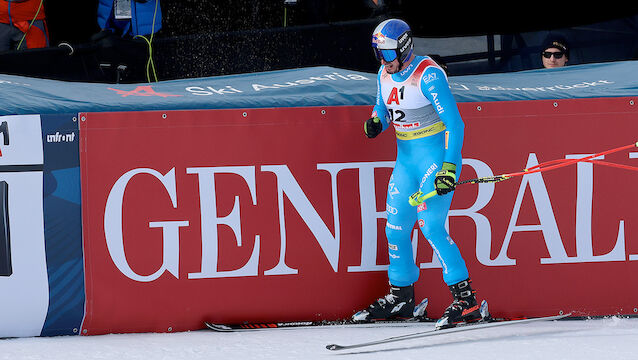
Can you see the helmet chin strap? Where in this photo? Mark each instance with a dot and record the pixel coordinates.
(399, 59)
(401, 62)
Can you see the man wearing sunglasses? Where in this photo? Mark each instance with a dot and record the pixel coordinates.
(555, 52)
(414, 97)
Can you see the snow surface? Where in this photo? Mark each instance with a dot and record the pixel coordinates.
(610, 338)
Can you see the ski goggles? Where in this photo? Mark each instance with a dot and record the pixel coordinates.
(556, 54)
(388, 55)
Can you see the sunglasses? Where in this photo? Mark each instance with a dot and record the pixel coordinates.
(557, 55)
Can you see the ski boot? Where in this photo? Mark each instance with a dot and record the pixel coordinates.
(397, 305)
(464, 309)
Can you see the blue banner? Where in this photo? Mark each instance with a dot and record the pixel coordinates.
(316, 86)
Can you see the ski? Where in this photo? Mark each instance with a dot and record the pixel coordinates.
(306, 324)
(434, 332)
(420, 316)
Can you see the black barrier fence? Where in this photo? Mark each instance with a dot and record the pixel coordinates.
(345, 45)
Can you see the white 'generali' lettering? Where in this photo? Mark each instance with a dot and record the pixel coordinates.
(329, 241)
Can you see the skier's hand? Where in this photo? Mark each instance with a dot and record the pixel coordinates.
(445, 180)
(372, 127)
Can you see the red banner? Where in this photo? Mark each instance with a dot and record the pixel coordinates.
(278, 214)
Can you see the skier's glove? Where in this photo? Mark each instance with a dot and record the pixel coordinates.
(372, 127)
(445, 180)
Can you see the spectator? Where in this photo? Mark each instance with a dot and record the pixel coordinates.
(22, 25)
(555, 51)
(130, 17)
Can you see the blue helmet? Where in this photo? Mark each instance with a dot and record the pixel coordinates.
(392, 39)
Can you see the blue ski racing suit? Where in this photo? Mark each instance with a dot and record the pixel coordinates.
(418, 103)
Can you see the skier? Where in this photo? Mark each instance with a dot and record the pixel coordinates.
(413, 95)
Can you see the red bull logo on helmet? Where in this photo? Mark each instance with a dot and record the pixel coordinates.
(378, 38)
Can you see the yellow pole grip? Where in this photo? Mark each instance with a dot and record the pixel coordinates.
(419, 198)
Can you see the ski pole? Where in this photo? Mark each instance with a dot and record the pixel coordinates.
(419, 197)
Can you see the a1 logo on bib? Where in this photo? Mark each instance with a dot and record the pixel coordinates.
(395, 95)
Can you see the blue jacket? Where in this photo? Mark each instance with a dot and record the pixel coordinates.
(141, 22)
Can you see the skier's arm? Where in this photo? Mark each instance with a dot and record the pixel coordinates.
(379, 119)
(435, 87)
